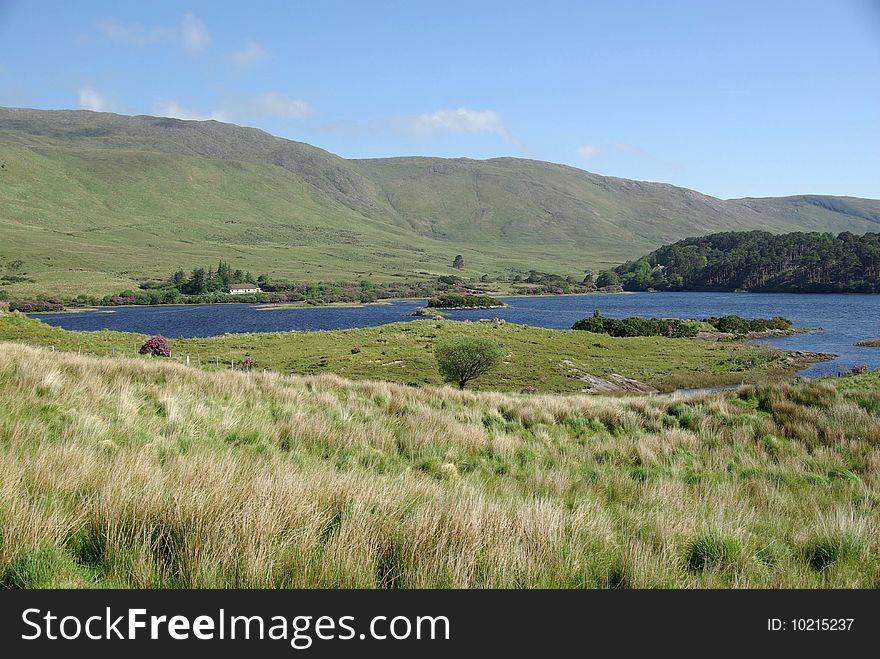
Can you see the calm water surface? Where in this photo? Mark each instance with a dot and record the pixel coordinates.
(845, 319)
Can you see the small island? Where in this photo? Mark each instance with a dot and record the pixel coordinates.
(872, 343)
(458, 301)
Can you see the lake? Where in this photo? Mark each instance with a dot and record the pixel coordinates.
(845, 319)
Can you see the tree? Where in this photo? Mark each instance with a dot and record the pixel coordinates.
(198, 282)
(224, 275)
(607, 278)
(458, 262)
(464, 358)
(178, 279)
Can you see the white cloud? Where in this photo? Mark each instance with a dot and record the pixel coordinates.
(195, 34)
(90, 99)
(589, 151)
(251, 54)
(176, 111)
(461, 120)
(280, 105)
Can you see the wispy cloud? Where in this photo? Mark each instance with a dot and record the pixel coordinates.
(252, 53)
(90, 99)
(589, 151)
(461, 120)
(630, 152)
(177, 111)
(194, 33)
(280, 105)
(191, 34)
(134, 35)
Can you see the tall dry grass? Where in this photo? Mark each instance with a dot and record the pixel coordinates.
(138, 473)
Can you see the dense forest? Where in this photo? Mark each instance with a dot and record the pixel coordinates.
(760, 261)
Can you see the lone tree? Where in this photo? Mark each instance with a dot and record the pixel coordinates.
(464, 358)
(458, 262)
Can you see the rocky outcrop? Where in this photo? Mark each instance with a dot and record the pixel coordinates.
(614, 383)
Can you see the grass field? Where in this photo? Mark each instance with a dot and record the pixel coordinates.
(131, 472)
(549, 360)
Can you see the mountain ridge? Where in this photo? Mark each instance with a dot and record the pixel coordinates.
(114, 186)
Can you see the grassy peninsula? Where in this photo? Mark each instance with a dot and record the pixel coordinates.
(560, 361)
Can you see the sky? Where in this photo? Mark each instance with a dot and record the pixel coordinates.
(731, 98)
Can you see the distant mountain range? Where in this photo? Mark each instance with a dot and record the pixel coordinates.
(94, 201)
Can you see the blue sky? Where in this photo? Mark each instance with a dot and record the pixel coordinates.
(732, 99)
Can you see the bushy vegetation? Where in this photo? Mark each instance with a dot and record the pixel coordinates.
(156, 346)
(131, 472)
(739, 325)
(35, 306)
(761, 261)
(635, 326)
(458, 301)
(675, 328)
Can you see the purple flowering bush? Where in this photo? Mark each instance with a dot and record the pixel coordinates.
(157, 346)
(39, 305)
(248, 363)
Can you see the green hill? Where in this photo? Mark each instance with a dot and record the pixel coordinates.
(95, 201)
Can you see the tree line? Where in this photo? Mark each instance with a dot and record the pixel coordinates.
(760, 261)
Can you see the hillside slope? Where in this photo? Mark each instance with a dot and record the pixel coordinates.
(94, 201)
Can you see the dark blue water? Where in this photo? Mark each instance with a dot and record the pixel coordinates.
(845, 319)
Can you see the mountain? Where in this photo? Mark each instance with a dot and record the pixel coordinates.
(95, 201)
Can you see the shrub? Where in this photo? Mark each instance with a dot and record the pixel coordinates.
(248, 363)
(35, 306)
(739, 325)
(732, 324)
(454, 300)
(464, 358)
(636, 326)
(157, 346)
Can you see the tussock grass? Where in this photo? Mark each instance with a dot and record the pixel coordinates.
(142, 473)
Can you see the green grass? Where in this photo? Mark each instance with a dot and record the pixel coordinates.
(549, 360)
(145, 473)
(93, 203)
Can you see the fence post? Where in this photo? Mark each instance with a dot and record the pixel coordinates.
(187, 360)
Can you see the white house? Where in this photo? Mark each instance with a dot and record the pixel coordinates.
(239, 289)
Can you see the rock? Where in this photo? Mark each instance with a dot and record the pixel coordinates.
(614, 384)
